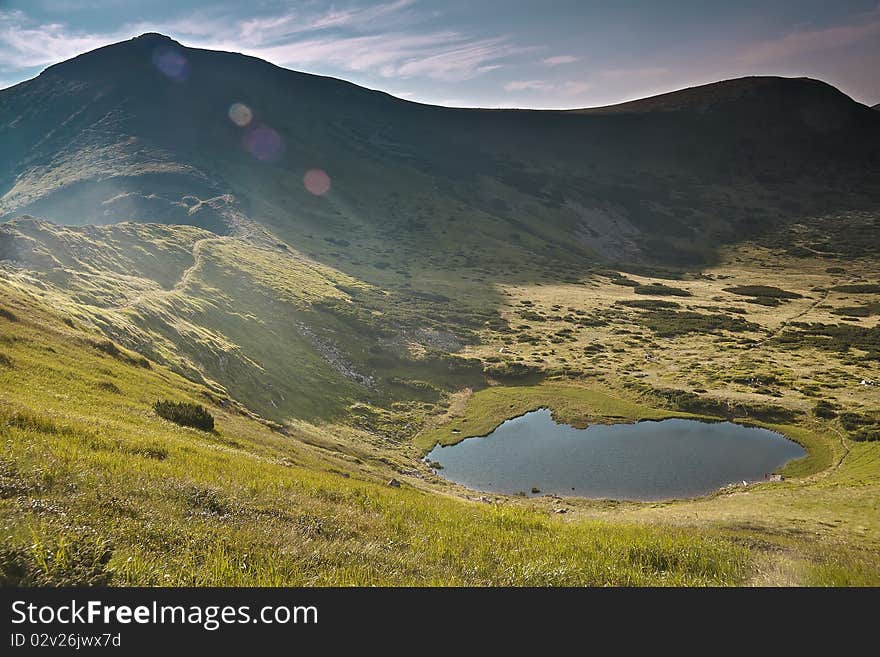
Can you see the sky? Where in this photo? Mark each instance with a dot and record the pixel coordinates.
(482, 53)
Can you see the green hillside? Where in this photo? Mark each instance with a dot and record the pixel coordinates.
(97, 489)
(710, 253)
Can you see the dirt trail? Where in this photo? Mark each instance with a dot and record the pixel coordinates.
(184, 279)
(797, 316)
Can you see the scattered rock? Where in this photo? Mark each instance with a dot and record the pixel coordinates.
(393, 483)
(560, 510)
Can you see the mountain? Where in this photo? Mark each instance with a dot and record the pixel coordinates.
(343, 280)
(140, 131)
(160, 195)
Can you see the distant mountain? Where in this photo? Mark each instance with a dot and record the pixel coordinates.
(141, 130)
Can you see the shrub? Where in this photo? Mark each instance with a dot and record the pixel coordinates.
(824, 409)
(852, 421)
(108, 386)
(858, 288)
(185, 414)
(701, 405)
(624, 281)
(869, 435)
(764, 291)
(660, 289)
(853, 311)
(5, 361)
(649, 304)
(8, 314)
(510, 371)
(668, 323)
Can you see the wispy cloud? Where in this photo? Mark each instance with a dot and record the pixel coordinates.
(559, 60)
(569, 88)
(575, 88)
(621, 73)
(447, 56)
(522, 85)
(377, 39)
(803, 41)
(23, 45)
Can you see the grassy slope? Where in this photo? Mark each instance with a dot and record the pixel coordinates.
(216, 309)
(96, 488)
(240, 299)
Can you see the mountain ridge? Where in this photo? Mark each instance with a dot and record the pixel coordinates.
(139, 131)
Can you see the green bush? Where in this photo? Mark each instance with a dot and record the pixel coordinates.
(765, 291)
(510, 371)
(624, 281)
(669, 323)
(648, 304)
(852, 421)
(824, 409)
(858, 288)
(185, 414)
(661, 290)
(867, 435)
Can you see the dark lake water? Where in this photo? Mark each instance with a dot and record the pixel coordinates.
(651, 460)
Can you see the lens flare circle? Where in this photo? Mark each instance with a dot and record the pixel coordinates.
(171, 63)
(240, 114)
(317, 182)
(263, 143)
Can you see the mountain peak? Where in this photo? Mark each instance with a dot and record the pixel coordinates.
(133, 51)
(153, 40)
(155, 37)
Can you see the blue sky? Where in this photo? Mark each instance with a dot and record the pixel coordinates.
(488, 53)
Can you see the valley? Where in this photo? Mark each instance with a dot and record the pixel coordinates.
(601, 263)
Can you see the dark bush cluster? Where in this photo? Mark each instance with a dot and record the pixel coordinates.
(659, 289)
(649, 304)
(861, 427)
(766, 291)
(833, 337)
(624, 281)
(824, 409)
(185, 414)
(512, 371)
(858, 288)
(668, 323)
(693, 403)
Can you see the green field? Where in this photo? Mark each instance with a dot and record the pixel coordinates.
(97, 488)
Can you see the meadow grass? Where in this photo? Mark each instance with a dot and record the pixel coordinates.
(97, 489)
